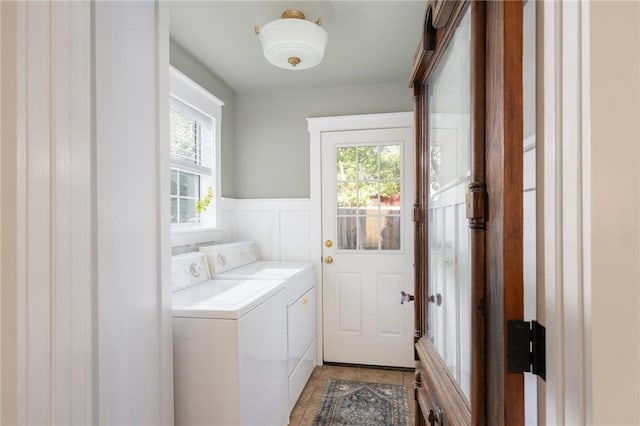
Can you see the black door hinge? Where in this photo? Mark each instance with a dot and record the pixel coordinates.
(526, 347)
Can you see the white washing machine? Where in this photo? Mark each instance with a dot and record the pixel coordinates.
(229, 348)
(240, 260)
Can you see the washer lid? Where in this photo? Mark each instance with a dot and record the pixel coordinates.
(224, 299)
(299, 277)
(266, 270)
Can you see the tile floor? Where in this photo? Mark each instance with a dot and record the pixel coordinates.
(305, 410)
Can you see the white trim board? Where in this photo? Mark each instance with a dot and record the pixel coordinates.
(192, 94)
(360, 122)
(47, 209)
(563, 216)
(317, 126)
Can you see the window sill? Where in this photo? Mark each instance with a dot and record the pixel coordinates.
(194, 229)
(195, 235)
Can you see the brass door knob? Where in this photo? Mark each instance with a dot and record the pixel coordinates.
(328, 259)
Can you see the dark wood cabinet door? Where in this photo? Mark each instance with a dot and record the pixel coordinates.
(467, 82)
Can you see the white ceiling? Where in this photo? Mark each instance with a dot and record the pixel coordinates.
(369, 41)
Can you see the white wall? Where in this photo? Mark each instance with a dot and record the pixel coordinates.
(265, 152)
(615, 211)
(86, 319)
(272, 141)
(133, 307)
(589, 70)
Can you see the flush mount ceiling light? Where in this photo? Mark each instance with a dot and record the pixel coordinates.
(293, 43)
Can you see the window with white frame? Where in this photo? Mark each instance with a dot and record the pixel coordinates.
(194, 125)
(191, 161)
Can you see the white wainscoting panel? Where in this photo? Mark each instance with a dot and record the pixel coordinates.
(294, 235)
(257, 225)
(280, 228)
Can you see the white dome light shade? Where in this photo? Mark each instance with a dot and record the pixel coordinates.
(293, 44)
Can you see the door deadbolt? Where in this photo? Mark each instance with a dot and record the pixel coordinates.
(328, 243)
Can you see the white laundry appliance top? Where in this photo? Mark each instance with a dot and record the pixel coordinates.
(239, 261)
(269, 269)
(195, 295)
(224, 299)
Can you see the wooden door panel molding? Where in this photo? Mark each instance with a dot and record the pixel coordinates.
(436, 388)
(504, 248)
(420, 226)
(478, 232)
(496, 397)
(426, 47)
(442, 10)
(431, 51)
(442, 388)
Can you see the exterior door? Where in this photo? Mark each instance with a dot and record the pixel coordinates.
(467, 81)
(367, 246)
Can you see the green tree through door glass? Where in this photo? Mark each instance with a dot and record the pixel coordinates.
(368, 188)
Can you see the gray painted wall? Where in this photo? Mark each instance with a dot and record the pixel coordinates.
(265, 142)
(186, 63)
(272, 140)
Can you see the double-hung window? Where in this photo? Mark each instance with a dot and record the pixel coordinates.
(192, 137)
(195, 123)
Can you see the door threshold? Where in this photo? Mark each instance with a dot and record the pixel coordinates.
(374, 367)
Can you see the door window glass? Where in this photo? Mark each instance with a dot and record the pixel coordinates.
(368, 188)
(449, 286)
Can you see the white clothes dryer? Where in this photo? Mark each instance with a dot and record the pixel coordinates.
(229, 348)
(240, 261)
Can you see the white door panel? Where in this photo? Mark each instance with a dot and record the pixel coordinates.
(366, 199)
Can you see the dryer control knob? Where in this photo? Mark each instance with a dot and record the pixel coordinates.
(195, 269)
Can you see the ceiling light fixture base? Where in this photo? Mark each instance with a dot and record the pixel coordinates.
(292, 14)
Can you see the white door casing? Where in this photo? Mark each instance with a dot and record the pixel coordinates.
(364, 323)
(317, 126)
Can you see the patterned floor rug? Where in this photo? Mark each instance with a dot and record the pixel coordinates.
(347, 403)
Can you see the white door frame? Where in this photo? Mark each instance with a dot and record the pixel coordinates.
(317, 126)
(564, 210)
(66, 294)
